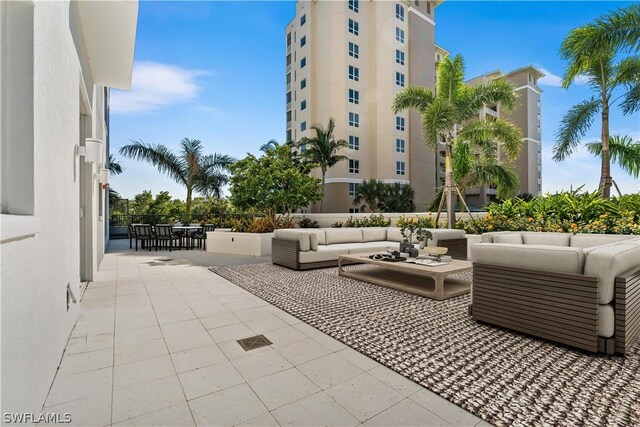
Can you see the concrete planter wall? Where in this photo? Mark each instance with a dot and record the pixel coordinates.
(326, 219)
(229, 242)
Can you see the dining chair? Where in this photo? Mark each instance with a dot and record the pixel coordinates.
(201, 235)
(145, 233)
(165, 236)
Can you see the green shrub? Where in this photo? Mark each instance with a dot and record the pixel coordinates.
(308, 223)
(566, 212)
(372, 221)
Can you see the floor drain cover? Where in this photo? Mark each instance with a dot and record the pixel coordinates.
(252, 343)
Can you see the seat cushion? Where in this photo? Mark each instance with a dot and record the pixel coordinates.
(324, 253)
(606, 321)
(534, 257)
(302, 236)
(607, 262)
(368, 247)
(374, 234)
(342, 235)
(313, 241)
(320, 233)
(446, 233)
(513, 238)
(584, 240)
(548, 239)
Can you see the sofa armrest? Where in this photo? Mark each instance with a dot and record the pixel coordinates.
(303, 237)
(627, 309)
(285, 252)
(607, 262)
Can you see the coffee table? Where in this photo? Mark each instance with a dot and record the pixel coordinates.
(431, 282)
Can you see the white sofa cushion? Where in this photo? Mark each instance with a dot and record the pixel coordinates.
(374, 234)
(313, 241)
(320, 233)
(301, 236)
(342, 235)
(358, 248)
(446, 233)
(584, 240)
(512, 238)
(394, 235)
(548, 239)
(606, 321)
(324, 253)
(534, 257)
(607, 262)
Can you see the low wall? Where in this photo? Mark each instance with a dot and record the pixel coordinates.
(326, 219)
(250, 244)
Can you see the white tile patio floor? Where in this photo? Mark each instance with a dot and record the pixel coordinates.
(155, 344)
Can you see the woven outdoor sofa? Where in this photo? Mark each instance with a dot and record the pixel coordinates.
(309, 248)
(581, 290)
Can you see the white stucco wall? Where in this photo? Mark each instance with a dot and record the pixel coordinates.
(35, 270)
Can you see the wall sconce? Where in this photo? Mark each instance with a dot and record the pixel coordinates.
(104, 176)
(93, 151)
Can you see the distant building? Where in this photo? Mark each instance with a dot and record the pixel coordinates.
(348, 60)
(58, 61)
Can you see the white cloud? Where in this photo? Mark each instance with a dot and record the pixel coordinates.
(156, 86)
(551, 79)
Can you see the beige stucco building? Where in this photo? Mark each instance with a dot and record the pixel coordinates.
(348, 60)
(526, 117)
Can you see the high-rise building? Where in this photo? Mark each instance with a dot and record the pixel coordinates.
(348, 60)
(526, 117)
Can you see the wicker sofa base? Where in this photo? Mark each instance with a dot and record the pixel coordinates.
(556, 306)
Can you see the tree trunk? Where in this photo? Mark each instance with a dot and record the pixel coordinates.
(324, 173)
(188, 218)
(605, 175)
(448, 183)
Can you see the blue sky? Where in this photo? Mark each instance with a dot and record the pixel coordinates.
(215, 71)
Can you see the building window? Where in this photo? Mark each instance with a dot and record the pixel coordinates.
(400, 168)
(354, 210)
(429, 8)
(303, 83)
(303, 41)
(288, 97)
(288, 60)
(303, 105)
(354, 73)
(399, 79)
(399, 35)
(303, 62)
(399, 123)
(289, 135)
(354, 166)
(288, 78)
(399, 145)
(353, 27)
(354, 142)
(354, 50)
(399, 12)
(303, 126)
(288, 116)
(354, 120)
(353, 5)
(353, 187)
(288, 39)
(354, 96)
(399, 57)
(303, 20)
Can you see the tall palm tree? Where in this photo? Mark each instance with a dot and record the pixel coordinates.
(622, 150)
(114, 166)
(474, 168)
(606, 77)
(272, 144)
(369, 193)
(451, 115)
(591, 51)
(322, 150)
(205, 174)
(398, 198)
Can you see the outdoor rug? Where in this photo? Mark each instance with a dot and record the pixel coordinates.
(503, 377)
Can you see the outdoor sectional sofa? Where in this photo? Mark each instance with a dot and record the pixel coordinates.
(581, 290)
(304, 249)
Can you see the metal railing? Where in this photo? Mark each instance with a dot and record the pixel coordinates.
(221, 219)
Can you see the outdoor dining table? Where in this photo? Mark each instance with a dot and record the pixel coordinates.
(185, 232)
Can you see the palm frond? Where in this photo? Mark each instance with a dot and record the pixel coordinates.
(573, 127)
(159, 156)
(450, 77)
(498, 91)
(462, 159)
(631, 101)
(115, 168)
(490, 171)
(623, 151)
(439, 117)
(269, 145)
(416, 97)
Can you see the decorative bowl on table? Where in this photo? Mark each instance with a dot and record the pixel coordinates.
(436, 250)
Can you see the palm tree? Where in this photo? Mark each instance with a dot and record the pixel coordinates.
(322, 150)
(605, 76)
(623, 151)
(114, 166)
(205, 174)
(398, 198)
(451, 115)
(369, 193)
(474, 168)
(591, 51)
(272, 144)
